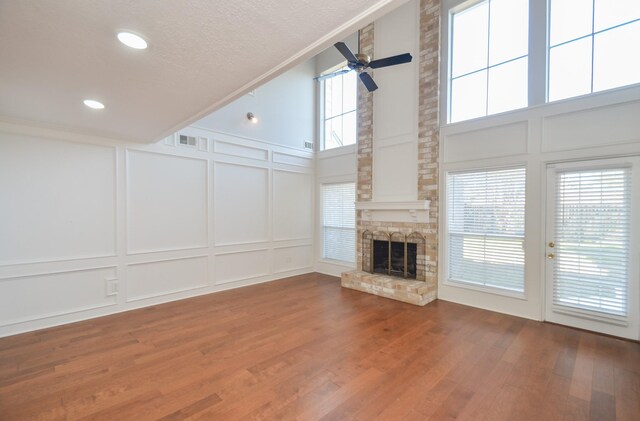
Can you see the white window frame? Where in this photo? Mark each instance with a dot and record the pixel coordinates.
(590, 36)
(449, 69)
(321, 114)
(538, 59)
(444, 237)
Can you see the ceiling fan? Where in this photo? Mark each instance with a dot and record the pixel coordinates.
(361, 62)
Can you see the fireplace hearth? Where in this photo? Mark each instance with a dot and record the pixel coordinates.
(392, 263)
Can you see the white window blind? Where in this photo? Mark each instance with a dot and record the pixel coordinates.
(485, 220)
(339, 221)
(592, 240)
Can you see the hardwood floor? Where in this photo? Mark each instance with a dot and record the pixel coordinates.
(304, 348)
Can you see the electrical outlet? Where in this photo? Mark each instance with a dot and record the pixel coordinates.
(308, 145)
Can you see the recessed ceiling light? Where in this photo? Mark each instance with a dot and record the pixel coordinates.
(132, 40)
(96, 105)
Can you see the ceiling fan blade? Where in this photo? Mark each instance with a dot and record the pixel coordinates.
(330, 75)
(368, 81)
(346, 52)
(391, 61)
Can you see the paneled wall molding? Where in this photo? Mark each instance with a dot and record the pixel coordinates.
(41, 286)
(35, 219)
(286, 158)
(166, 202)
(244, 140)
(398, 139)
(227, 148)
(176, 192)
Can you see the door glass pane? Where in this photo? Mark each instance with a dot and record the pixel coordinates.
(569, 69)
(570, 19)
(508, 86)
(470, 39)
(614, 62)
(614, 12)
(509, 35)
(592, 224)
(469, 96)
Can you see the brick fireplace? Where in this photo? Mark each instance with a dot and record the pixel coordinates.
(413, 221)
(406, 225)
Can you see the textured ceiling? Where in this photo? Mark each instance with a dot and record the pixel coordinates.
(202, 54)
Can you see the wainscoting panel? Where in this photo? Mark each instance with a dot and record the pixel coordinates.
(292, 205)
(285, 158)
(585, 128)
(166, 202)
(395, 172)
(32, 297)
(291, 258)
(58, 200)
(153, 279)
(503, 140)
(241, 204)
(90, 229)
(396, 109)
(236, 266)
(240, 150)
(336, 165)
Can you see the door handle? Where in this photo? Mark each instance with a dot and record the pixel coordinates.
(552, 244)
(551, 256)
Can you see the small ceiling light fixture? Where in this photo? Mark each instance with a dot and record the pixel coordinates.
(252, 118)
(132, 40)
(92, 103)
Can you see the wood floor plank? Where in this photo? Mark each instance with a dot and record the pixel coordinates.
(304, 348)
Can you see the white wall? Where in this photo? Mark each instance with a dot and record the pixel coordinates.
(395, 107)
(331, 57)
(90, 227)
(285, 107)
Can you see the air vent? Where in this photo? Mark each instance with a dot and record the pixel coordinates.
(308, 145)
(190, 141)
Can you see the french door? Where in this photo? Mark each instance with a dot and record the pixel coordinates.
(592, 259)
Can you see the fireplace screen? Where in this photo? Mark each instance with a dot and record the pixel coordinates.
(395, 258)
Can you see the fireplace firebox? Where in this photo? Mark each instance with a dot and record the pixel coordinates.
(399, 260)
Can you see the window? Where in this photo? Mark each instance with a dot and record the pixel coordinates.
(592, 46)
(339, 110)
(489, 59)
(339, 221)
(577, 47)
(485, 228)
